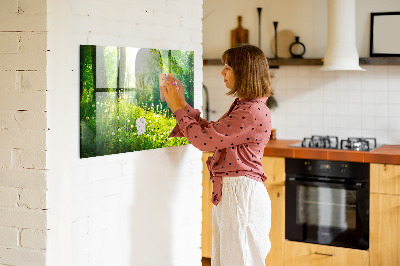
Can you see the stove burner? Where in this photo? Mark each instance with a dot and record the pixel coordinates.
(328, 142)
(358, 144)
(332, 142)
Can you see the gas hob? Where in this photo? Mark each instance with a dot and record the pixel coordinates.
(332, 142)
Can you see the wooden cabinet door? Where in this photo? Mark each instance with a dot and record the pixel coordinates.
(384, 237)
(385, 178)
(304, 254)
(274, 168)
(206, 226)
(277, 233)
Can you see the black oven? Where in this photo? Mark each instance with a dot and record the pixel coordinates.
(327, 202)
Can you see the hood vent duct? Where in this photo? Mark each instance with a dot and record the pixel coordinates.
(341, 51)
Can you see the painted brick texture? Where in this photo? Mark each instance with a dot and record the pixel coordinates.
(121, 209)
(23, 126)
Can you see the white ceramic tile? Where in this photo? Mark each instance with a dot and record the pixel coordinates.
(394, 97)
(292, 83)
(317, 120)
(304, 72)
(329, 122)
(367, 82)
(381, 97)
(355, 132)
(316, 82)
(316, 72)
(317, 107)
(342, 109)
(381, 110)
(394, 123)
(394, 83)
(329, 94)
(354, 83)
(368, 110)
(328, 74)
(394, 110)
(381, 71)
(355, 109)
(367, 96)
(342, 96)
(381, 84)
(394, 137)
(317, 95)
(291, 71)
(303, 82)
(382, 136)
(342, 122)
(394, 71)
(342, 81)
(381, 123)
(367, 122)
(355, 96)
(355, 122)
(329, 109)
(367, 133)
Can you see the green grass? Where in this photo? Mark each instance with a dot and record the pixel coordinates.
(112, 128)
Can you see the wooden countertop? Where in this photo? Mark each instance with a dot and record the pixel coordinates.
(389, 154)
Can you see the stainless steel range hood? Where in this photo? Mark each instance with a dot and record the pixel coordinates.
(341, 51)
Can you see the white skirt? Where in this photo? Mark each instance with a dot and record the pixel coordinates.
(241, 223)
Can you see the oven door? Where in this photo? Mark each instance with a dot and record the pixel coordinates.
(327, 213)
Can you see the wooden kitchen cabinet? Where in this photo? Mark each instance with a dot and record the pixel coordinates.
(385, 178)
(277, 233)
(274, 168)
(385, 215)
(384, 236)
(305, 254)
(206, 225)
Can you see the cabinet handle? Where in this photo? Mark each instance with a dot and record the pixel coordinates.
(324, 254)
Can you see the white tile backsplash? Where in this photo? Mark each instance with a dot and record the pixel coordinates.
(343, 103)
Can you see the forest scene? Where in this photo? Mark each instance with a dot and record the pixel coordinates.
(120, 106)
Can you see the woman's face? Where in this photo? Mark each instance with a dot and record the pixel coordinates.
(229, 76)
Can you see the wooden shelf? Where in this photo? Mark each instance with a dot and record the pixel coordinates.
(380, 61)
(274, 63)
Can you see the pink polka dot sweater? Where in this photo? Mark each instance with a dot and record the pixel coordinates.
(238, 139)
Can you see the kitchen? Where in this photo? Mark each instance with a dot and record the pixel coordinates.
(313, 104)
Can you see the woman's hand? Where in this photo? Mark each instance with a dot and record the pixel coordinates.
(181, 92)
(174, 94)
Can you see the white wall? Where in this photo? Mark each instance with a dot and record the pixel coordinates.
(306, 19)
(140, 208)
(23, 133)
(311, 102)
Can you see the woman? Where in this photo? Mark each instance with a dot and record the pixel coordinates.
(242, 208)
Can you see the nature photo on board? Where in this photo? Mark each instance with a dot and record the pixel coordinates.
(121, 109)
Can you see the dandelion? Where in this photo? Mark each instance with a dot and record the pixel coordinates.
(87, 118)
(119, 129)
(113, 133)
(131, 126)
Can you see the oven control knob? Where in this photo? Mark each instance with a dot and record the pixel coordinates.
(343, 168)
(308, 166)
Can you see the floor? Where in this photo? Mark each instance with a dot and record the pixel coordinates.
(206, 261)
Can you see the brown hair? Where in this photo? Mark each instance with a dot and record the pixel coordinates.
(250, 66)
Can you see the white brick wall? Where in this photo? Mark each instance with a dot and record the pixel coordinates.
(139, 208)
(23, 132)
